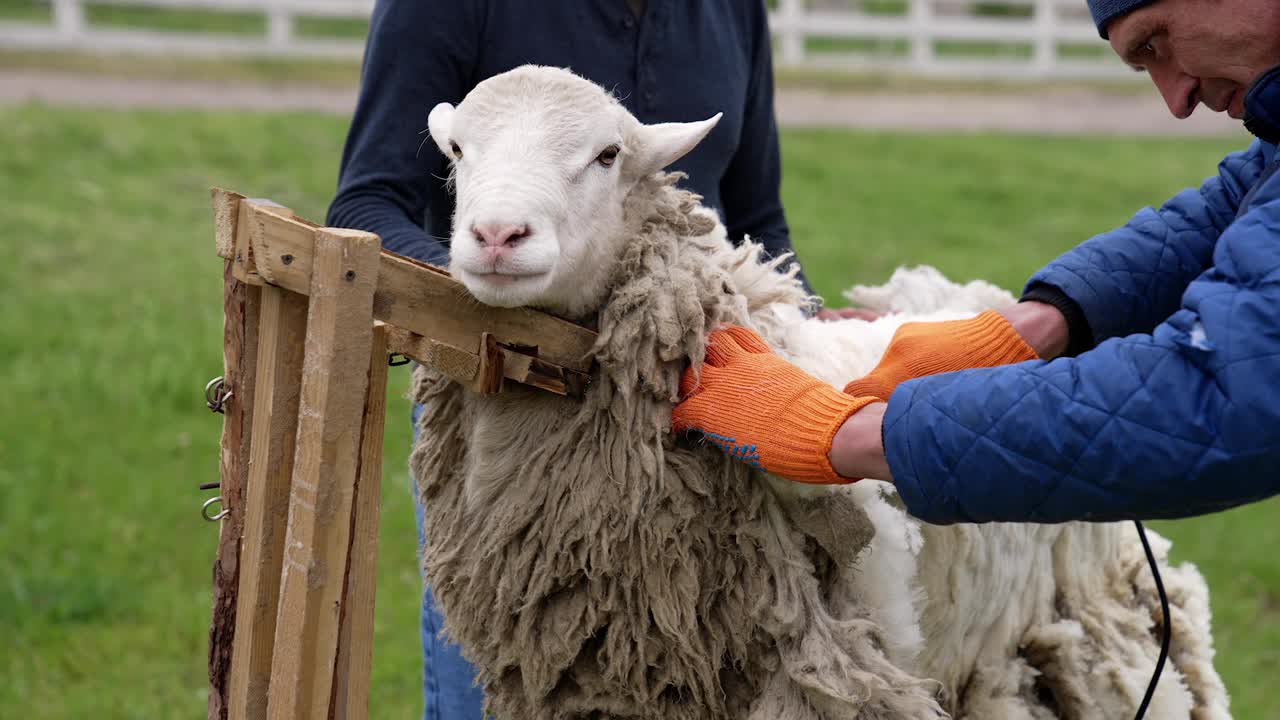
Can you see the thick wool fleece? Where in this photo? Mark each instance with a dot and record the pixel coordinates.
(591, 567)
(1020, 620)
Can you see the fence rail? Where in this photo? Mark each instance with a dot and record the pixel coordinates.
(956, 38)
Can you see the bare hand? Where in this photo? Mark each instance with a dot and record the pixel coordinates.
(834, 314)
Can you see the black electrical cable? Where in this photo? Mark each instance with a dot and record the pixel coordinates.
(1167, 630)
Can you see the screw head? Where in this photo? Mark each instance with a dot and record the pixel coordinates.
(286, 259)
(351, 275)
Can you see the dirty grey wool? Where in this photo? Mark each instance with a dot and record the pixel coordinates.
(591, 566)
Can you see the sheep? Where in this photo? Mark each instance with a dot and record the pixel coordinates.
(593, 565)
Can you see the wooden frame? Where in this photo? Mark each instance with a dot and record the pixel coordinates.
(311, 315)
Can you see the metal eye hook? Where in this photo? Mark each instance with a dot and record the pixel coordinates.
(204, 509)
(216, 395)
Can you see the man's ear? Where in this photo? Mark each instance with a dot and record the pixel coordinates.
(440, 125)
(659, 145)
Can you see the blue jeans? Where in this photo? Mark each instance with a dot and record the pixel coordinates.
(449, 690)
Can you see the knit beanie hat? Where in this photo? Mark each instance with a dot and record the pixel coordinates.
(1104, 11)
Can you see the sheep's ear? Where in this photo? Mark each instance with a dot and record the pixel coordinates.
(440, 124)
(664, 143)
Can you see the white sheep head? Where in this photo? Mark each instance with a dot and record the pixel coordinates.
(543, 162)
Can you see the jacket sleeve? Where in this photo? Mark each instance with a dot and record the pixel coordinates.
(419, 53)
(1131, 278)
(751, 188)
(1179, 422)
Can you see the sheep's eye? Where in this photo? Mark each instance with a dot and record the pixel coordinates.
(608, 156)
(457, 151)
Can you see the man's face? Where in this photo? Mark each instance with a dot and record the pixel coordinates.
(1200, 51)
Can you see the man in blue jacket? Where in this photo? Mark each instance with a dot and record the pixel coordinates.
(666, 60)
(1139, 376)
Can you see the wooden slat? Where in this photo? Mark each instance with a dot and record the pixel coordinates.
(464, 367)
(226, 214)
(415, 296)
(355, 636)
(334, 379)
(453, 362)
(281, 334)
(433, 304)
(241, 251)
(240, 304)
(552, 378)
(489, 379)
(283, 245)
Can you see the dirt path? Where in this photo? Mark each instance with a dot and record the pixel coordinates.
(1056, 112)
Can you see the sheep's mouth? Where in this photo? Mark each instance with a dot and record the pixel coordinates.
(504, 278)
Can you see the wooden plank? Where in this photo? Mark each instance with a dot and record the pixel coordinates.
(415, 296)
(240, 304)
(531, 371)
(248, 246)
(435, 305)
(226, 214)
(489, 379)
(241, 252)
(355, 635)
(453, 362)
(464, 367)
(334, 379)
(282, 245)
(281, 335)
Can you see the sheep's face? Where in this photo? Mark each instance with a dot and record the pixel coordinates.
(543, 162)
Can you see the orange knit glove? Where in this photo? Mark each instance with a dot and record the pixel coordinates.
(928, 348)
(763, 410)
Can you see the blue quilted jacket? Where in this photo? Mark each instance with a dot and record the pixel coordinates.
(1173, 408)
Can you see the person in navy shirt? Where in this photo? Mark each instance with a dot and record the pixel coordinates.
(666, 60)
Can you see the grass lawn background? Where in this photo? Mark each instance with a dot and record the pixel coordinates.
(111, 324)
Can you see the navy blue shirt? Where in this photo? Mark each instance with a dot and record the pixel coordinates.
(678, 61)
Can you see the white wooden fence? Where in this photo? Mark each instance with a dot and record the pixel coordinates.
(1034, 39)
(70, 31)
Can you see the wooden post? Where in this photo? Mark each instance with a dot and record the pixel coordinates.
(240, 305)
(1045, 54)
(788, 19)
(334, 382)
(68, 18)
(281, 332)
(355, 638)
(920, 14)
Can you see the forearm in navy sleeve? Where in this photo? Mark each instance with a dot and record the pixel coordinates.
(377, 211)
(1180, 422)
(750, 190)
(418, 54)
(1129, 279)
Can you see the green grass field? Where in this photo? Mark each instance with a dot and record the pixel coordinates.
(110, 326)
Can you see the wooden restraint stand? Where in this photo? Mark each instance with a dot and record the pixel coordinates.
(311, 315)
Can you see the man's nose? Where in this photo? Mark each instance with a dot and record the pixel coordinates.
(1179, 90)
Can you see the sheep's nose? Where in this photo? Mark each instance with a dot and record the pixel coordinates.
(499, 234)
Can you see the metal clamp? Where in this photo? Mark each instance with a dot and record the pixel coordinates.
(216, 394)
(204, 509)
